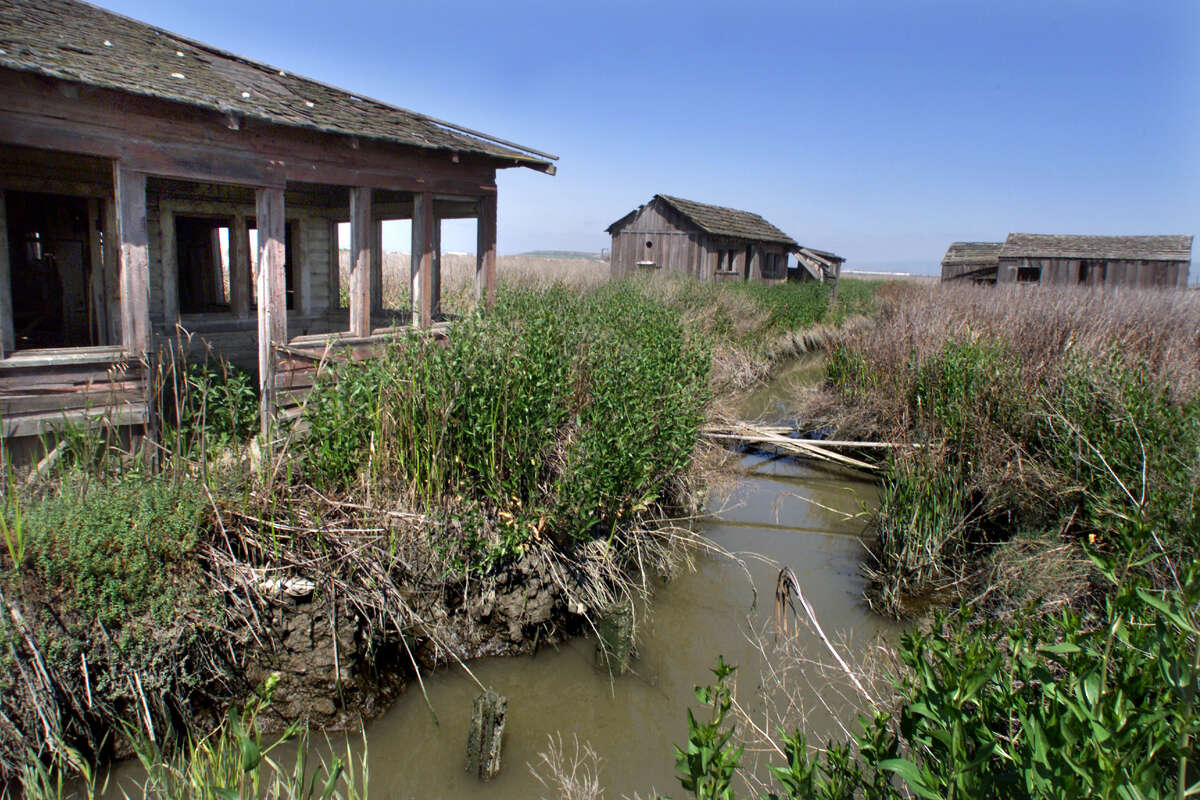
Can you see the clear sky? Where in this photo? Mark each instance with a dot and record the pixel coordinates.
(879, 129)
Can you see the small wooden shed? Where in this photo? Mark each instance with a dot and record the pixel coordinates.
(704, 241)
(971, 261)
(136, 165)
(1134, 261)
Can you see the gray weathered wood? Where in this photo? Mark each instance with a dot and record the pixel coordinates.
(422, 259)
(614, 644)
(239, 267)
(170, 266)
(334, 299)
(361, 237)
(485, 250)
(377, 267)
(272, 303)
(486, 737)
(134, 258)
(435, 277)
(7, 334)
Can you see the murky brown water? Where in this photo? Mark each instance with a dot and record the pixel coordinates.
(632, 721)
(787, 513)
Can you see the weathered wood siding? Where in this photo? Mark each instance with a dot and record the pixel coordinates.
(43, 391)
(657, 239)
(1136, 274)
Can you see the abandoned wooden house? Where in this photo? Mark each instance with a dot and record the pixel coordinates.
(1101, 261)
(152, 185)
(706, 242)
(971, 261)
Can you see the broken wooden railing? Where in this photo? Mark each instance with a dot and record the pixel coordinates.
(783, 439)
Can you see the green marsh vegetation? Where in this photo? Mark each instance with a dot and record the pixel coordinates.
(560, 427)
(1052, 514)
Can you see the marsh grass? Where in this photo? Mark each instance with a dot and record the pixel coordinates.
(1025, 403)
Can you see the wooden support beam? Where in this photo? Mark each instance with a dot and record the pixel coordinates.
(112, 270)
(301, 269)
(360, 261)
(239, 267)
(377, 268)
(272, 301)
(170, 266)
(485, 251)
(134, 258)
(422, 259)
(335, 267)
(7, 333)
(435, 279)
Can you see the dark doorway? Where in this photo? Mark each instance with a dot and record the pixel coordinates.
(57, 293)
(203, 264)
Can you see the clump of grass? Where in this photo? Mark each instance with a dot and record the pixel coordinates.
(1045, 415)
(555, 414)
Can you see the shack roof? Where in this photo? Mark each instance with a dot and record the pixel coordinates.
(720, 221)
(1137, 248)
(967, 253)
(76, 41)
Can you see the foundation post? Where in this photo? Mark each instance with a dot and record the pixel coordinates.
(487, 734)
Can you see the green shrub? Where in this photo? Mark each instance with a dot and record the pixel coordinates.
(554, 412)
(114, 550)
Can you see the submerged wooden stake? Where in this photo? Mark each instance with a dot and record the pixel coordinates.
(614, 648)
(487, 733)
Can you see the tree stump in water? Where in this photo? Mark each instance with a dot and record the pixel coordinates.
(614, 649)
(487, 733)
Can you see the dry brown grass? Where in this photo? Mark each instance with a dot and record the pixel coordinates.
(458, 276)
(1041, 325)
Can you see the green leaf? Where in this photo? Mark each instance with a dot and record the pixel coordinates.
(911, 774)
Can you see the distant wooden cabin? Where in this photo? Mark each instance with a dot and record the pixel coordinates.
(817, 265)
(1134, 261)
(971, 261)
(673, 235)
(135, 168)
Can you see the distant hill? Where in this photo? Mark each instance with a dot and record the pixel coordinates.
(562, 254)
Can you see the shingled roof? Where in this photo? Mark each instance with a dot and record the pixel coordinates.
(1139, 248)
(972, 253)
(721, 221)
(76, 41)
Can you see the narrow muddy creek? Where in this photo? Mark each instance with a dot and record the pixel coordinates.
(775, 512)
(632, 721)
(778, 512)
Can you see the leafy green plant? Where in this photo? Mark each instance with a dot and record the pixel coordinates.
(711, 759)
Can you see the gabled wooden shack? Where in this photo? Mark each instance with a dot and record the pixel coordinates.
(1133, 261)
(138, 166)
(971, 261)
(700, 240)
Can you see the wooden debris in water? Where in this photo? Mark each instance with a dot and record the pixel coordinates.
(776, 437)
(487, 734)
(614, 647)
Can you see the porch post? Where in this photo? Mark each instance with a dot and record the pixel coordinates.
(272, 301)
(360, 261)
(170, 266)
(377, 268)
(435, 280)
(485, 251)
(422, 259)
(239, 267)
(134, 258)
(7, 333)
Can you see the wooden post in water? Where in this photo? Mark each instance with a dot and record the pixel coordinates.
(487, 734)
(614, 647)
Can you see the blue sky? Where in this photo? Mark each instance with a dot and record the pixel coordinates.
(879, 130)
